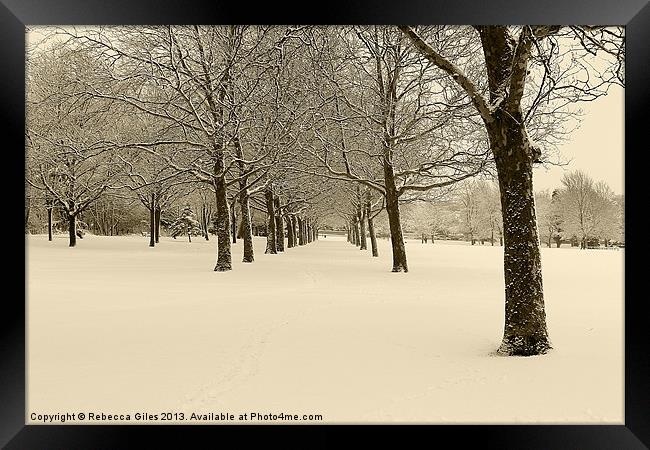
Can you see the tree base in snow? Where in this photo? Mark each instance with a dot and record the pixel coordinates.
(222, 267)
(524, 346)
(399, 269)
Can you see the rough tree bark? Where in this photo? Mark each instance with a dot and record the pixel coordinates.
(222, 220)
(525, 331)
(222, 216)
(525, 325)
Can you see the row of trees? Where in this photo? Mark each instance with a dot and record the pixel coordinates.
(99, 124)
(580, 212)
(292, 119)
(583, 211)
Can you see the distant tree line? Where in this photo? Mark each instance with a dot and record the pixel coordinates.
(581, 212)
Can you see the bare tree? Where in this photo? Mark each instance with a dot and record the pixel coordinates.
(385, 122)
(68, 135)
(509, 54)
(588, 208)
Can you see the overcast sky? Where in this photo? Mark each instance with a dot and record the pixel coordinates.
(597, 147)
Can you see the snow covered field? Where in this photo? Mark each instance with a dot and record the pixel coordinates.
(117, 327)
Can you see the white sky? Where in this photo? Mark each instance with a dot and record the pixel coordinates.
(597, 147)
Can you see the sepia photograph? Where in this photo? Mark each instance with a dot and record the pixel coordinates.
(310, 224)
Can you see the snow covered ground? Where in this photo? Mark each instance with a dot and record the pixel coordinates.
(117, 327)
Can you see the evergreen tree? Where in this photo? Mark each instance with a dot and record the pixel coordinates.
(186, 223)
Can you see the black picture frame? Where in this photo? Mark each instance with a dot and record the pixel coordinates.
(16, 14)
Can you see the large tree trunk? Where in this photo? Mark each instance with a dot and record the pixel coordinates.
(392, 208)
(247, 232)
(271, 245)
(506, 62)
(72, 229)
(525, 331)
(222, 222)
(222, 219)
(244, 202)
(279, 225)
(157, 215)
